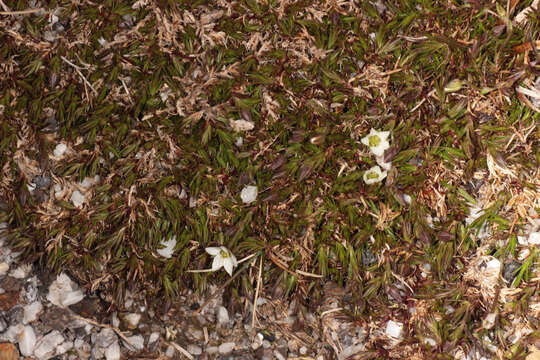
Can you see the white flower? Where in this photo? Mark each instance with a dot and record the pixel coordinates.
(382, 163)
(377, 141)
(168, 247)
(374, 175)
(249, 194)
(222, 258)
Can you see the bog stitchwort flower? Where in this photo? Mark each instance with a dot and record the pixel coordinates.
(374, 175)
(222, 258)
(377, 141)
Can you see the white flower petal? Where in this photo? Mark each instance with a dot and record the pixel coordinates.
(233, 258)
(214, 251)
(365, 140)
(381, 145)
(384, 135)
(374, 175)
(380, 149)
(217, 263)
(228, 265)
(382, 163)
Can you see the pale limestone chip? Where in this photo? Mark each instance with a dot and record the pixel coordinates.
(249, 194)
(241, 125)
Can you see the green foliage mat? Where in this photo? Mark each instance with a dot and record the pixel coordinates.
(146, 94)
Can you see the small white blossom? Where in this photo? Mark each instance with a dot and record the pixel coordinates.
(377, 141)
(222, 258)
(374, 175)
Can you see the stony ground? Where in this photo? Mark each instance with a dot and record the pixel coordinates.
(44, 317)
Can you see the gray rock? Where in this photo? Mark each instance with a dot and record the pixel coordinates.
(153, 341)
(43, 181)
(113, 352)
(226, 348)
(194, 349)
(212, 350)
(131, 320)
(12, 333)
(83, 348)
(4, 268)
(368, 258)
(170, 351)
(510, 270)
(27, 341)
(3, 324)
(104, 338)
(223, 317)
(64, 347)
(136, 343)
(46, 347)
(32, 311)
(353, 350)
(15, 315)
(279, 354)
(98, 353)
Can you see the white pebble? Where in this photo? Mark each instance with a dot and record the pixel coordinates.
(132, 320)
(153, 337)
(407, 199)
(226, 348)
(64, 347)
(63, 292)
(4, 268)
(249, 194)
(239, 141)
(489, 321)
(113, 352)
(278, 355)
(59, 150)
(27, 341)
(21, 272)
(136, 343)
(534, 238)
(77, 199)
(46, 347)
(31, 312)
(170, 351)
(194, 349)
(222, 316)
(241, 125)
(394, 329)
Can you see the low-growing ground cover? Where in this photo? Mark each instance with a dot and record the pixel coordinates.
(135, 135)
